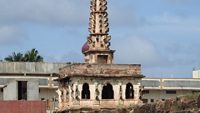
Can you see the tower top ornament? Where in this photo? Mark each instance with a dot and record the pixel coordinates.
(98, 17)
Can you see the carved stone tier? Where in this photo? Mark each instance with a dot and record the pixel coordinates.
(99, 17)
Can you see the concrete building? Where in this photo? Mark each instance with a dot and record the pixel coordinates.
(98, 83)
(165, 88)
(196, 74)
(42, 75)
(28, 81)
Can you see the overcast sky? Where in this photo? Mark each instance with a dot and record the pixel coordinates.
(162, 35)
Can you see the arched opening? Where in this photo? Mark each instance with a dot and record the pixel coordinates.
(85, 91)
(129, 91)
(107, 92)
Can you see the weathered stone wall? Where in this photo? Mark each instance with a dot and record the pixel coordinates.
(102, 70)
(70, 94)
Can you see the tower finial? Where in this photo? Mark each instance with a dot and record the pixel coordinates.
(99, 17)
(97, 47)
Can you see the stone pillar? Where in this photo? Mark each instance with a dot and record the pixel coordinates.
(92, 91)
(100, 87)
(76, 92)
(80, 88)
(70, 94)
(120, 91)
(64, 94)
(59, 99)
(116, 91)
(136, 92)
(96, 93)
(124, 91)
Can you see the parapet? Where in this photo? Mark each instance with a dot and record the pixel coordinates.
(101, 70)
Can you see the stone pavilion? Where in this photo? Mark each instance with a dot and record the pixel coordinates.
(98, 83)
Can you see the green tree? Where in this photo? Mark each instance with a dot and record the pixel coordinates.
(33, 56)
(29, 56)
(15, 57)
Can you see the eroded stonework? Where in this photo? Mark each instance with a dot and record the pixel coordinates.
(101, 70)
(107, 86)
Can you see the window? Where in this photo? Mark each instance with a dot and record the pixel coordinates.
(163, 99)
(145, 92)
(144, 100)
(152, 100)
(2, 90)
(107, 92)
(22, 90)
(102, 59)
(195, 91)
(171, 92)
(129, 91)
(85, 91)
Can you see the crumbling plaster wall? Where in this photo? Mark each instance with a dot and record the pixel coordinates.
(76, 83)
(115, 82)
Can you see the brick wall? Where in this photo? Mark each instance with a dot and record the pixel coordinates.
(22, 107)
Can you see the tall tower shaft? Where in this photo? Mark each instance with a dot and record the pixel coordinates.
(97, 47)
(99, 17)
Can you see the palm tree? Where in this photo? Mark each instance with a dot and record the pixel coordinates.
(15, 57)
(29, 56)
(33, 56)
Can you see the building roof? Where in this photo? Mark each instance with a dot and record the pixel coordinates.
(171, 84)
(29, 68)
(101, 70)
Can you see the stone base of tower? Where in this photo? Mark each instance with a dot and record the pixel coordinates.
(101, 57)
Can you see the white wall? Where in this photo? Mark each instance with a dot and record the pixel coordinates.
(33, 90)
(161, 94)
(1, 95)
(47, 93)
(196, 74)
(10, 91)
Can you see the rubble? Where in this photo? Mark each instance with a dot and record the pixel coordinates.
(181, 104)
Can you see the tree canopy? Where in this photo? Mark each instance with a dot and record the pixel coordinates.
(15, 57)
(29, 56)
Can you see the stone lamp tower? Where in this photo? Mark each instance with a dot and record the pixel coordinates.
(97, 47)
(98, 83)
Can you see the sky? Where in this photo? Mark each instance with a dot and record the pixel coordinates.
(161, 35)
